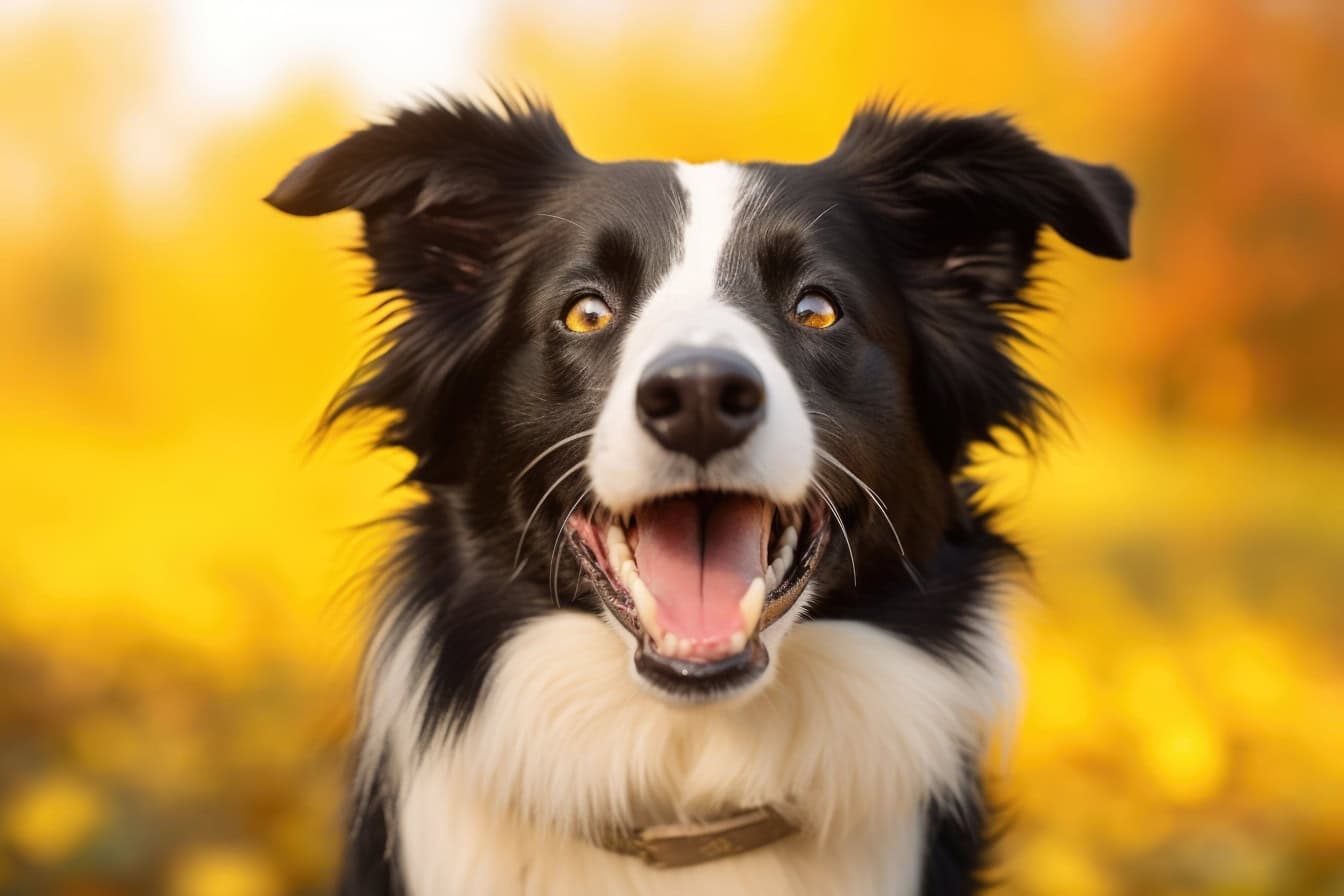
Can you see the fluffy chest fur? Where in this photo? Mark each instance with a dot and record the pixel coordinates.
(855, 734)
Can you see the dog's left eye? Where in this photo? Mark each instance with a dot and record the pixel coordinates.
(588, 314)
(815, 311)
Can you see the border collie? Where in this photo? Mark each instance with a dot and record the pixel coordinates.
(696, 597)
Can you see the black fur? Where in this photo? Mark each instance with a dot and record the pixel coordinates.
(484, 223)
(958, 844)
(367, 868)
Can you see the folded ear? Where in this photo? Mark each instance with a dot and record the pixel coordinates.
(446, 192)
(442, 152)
(961, 203)
(986, 167)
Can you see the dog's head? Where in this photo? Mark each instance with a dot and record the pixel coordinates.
(730, 389)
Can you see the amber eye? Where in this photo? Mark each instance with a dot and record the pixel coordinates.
(816, 311)
(588, 314)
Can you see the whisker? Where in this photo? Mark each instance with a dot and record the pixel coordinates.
(828, 425)
(559, 218)
(554, 570)
(820, 216)
(914, 574)
(881, 508)
(536, 460)
(835, 462)
(826, 430)
(517, 555)
(843, 534)
(822, 414)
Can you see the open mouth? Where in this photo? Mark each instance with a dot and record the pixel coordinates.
(697, 577)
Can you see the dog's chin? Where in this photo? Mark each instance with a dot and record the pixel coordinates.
(696, 580)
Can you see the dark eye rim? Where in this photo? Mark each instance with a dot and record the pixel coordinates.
(824, 293)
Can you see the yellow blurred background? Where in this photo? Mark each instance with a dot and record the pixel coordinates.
(180, 600)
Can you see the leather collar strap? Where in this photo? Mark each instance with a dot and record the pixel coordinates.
(676, 845)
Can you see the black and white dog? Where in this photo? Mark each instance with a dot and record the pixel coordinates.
(696, 598)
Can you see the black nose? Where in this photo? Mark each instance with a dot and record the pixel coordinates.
(700, 401)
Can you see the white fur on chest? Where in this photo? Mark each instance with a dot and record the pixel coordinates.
(855, 733)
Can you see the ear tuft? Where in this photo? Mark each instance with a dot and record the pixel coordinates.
(1097, 217)
(439, 152)
(301, 191)
(990, 170)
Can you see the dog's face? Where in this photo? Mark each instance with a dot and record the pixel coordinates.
(728, 389)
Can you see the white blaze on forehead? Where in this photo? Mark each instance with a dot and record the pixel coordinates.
(687, 296)
(712, 192)
(625, 464)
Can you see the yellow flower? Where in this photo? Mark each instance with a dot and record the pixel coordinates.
(51, 818)
(224, 871)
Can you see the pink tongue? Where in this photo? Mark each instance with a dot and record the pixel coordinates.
(698, 565)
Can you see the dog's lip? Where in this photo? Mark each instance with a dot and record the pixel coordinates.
(686, 677)
(737, 668)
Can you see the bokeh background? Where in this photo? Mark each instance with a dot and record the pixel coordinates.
(180, 599)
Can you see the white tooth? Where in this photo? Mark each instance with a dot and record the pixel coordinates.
(785, 557)
(751, 603)
(618, 552)
(669, 645)
(738, 642)
(789, 538)
(645, 605)
(771, 579)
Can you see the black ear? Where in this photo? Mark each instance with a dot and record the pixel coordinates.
(441, 152)
(991, 170)
(957, 205)
(446, 193)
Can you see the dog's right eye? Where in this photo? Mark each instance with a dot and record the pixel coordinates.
(588, 314)
(815, 310)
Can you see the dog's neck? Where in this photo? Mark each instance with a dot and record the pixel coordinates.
(855, 733)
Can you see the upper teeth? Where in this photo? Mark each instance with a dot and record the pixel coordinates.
(774, 573)
(623, 564)
(618, 552)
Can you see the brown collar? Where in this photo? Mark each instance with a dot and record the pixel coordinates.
(675, 845)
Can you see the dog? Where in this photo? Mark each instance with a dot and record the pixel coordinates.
(696, 595)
